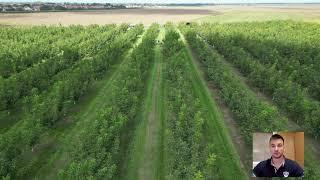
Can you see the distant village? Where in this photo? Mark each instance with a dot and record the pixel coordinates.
(42, 6)
(34, 7)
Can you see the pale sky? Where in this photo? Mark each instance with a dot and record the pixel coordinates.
(170, 1)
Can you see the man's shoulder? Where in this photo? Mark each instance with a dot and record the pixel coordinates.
(294, 167)
(292, 163)
(263, 163)
(260, 168)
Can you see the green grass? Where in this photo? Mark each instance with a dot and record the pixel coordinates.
(10, 118)
(161, 109)
(137, 147)
(216, 131)
(138, 151)
(53, 150)
(80, 115)
(311, 162)
(50, 144)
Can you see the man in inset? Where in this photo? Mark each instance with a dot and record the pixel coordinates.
(277, 165)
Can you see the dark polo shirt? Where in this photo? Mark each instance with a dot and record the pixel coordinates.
(288, 169)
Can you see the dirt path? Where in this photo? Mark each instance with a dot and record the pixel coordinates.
(145, 147)
(148, 166)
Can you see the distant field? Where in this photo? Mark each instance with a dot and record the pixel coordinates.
(264, 13)
(161, 15)
(132, 16)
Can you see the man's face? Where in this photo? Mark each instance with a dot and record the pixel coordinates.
(276, 148)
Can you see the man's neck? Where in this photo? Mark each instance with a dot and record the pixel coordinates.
(278, 161)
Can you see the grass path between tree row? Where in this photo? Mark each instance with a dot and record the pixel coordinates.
(145, 147)
(217, 129)
(82, 113)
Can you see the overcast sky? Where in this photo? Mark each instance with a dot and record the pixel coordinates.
(170, 1)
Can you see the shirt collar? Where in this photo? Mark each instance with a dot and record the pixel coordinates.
(284, 159)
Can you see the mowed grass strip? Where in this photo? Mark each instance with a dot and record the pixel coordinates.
(195, 140)
(145, 147)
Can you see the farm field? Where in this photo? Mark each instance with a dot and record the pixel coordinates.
(133, 16)
(165, 100)
(162, 15)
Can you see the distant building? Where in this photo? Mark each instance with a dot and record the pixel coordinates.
(36, 8)
(39, 6)
(27, 8)
(132, 6)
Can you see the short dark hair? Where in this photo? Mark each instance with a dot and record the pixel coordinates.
(276, 136)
